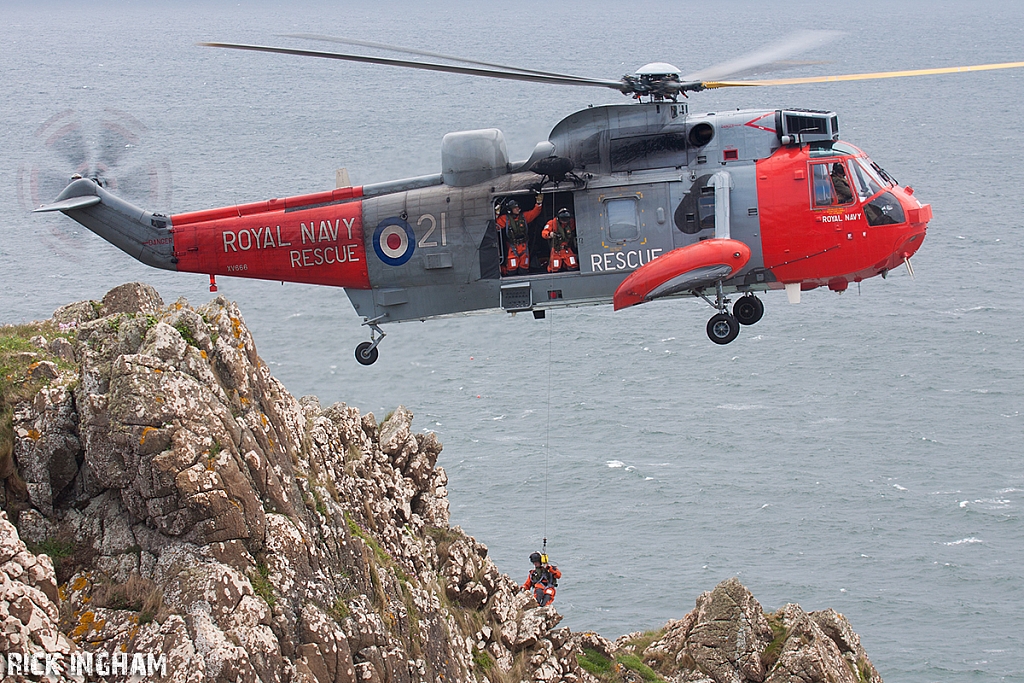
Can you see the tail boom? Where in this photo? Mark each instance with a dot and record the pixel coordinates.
(314, 239)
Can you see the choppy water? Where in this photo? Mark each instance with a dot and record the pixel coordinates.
(861, 452)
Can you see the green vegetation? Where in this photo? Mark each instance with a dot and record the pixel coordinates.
(261, 585)
(18, 356)
(863, 670)
(339, 611)
(595, 663)
(634, 663)
(56, 548)
(186, 334)
(483, 660)
(608, 671)
(772, 653)
(381, 554)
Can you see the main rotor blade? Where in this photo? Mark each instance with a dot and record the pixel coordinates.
(427, 66)
(765, 57)
(423, 53)
(866, 77)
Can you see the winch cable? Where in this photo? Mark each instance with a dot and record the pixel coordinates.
(547, 438)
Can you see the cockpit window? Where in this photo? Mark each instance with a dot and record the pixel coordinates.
(843, 148)
(884, 209)
(831, 148)
(875, 171)
(865, 184)
(831, 186)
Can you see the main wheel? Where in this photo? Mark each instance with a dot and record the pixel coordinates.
(748, 309)
(723, 328)
(366, 353)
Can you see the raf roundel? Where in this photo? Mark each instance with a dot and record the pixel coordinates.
(394, 241)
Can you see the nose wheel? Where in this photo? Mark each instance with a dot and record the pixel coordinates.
(366, 352)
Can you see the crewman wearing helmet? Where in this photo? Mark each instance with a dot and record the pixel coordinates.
(543, 579)
(561, 230)
(516, 224)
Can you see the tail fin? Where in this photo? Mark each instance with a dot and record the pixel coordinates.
(140, 234)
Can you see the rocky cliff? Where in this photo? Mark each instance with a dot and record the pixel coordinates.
(170, 510)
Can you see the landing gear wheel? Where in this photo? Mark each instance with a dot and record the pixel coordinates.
(366, 353)
(748, 309)
(723, 328)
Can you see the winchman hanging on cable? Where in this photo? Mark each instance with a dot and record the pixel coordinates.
(543, 579)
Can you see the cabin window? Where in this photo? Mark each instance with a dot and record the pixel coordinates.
(623, 219)
(706, 207)
(831, 184)
(647, 151)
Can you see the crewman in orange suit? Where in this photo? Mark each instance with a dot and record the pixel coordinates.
(561, 230)
(543, 579)
(516, 225)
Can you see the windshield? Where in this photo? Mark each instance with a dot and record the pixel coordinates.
(868, 184)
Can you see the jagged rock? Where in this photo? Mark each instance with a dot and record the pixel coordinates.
(729, 633)
(199, 510)
(46, 447)
(28, 595)
(133, 297)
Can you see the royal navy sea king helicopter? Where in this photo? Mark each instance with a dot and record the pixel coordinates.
(666, 203)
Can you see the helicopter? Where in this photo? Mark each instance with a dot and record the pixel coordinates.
(663, 203)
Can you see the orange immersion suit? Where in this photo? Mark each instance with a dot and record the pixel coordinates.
(563, 245)
(543, 580)
(517, 256)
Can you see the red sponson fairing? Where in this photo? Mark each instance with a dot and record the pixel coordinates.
(309, 243)
(659, 273)
(833, 246)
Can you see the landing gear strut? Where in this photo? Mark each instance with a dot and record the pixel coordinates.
(723, 327)
(366, 352)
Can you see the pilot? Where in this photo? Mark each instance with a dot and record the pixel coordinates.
(543, 579)
(843, 193)
(516, 225)
(561, 230)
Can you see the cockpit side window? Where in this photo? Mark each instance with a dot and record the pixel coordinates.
(831, 184)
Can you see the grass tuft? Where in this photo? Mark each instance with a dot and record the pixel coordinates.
(261, 585)
(595, 663)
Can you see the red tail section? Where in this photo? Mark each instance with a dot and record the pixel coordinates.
(314, 239)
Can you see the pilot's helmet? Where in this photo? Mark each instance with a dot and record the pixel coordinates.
(511, 204)
(564, 214)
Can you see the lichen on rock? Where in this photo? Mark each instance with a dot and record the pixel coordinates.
(180, 501)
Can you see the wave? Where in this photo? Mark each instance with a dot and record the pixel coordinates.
(965, 541)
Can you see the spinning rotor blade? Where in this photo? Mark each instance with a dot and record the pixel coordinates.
(62, 134)
(117, 137)
(423, 53)
(770, 57)
(865, 77)
(517, 75)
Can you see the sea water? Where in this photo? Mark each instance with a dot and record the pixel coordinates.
(858, 451)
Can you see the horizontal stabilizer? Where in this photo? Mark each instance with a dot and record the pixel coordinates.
(681, 270)
(79, 202)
